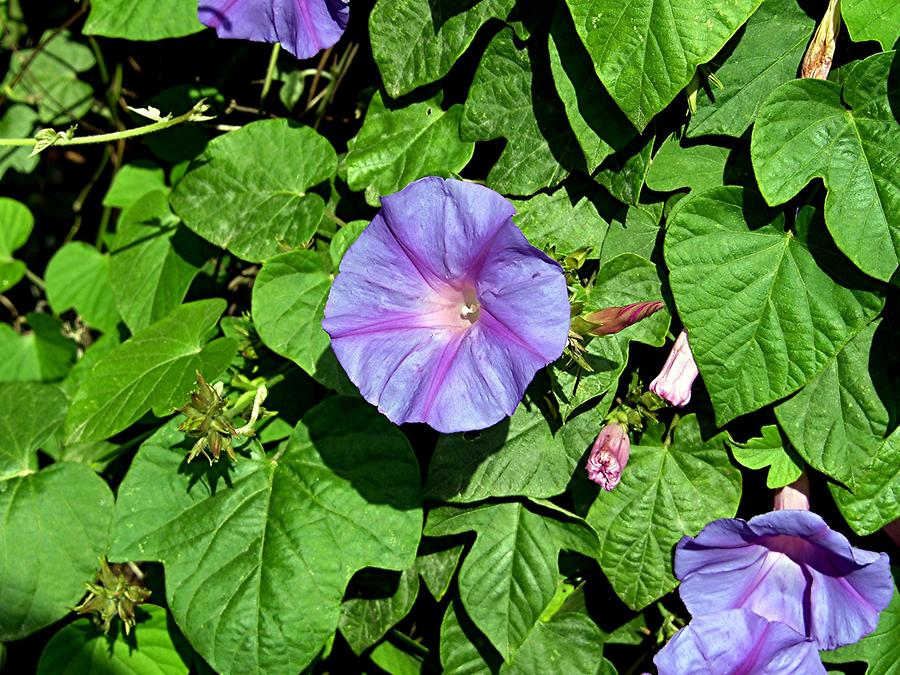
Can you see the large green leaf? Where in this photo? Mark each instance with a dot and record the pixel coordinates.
(16, 222)
(872, 20)
(646, 51)
(29, 415)
(564, 222)
(258, 554)
(42, 354)
(511, 573)
(765, 54)
(377, 601)
(50, 81)
(142, 20)
(848, 137)
(249, 190)
(77, 277)
(417, 41)
(667, 491)
(623, 173)
(55, 526)
(154, 260)
(513, 97)
(632, 230)
(763, 315)
(80, 648)
(154, 369)
(696, 167)
(396, 147)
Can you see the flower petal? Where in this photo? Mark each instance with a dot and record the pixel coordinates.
(738, 642)
(303, 27)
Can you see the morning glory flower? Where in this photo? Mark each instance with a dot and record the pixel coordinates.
(303, 27)
(609, 455)
(737, 642)
(442, 311)
(786, 566)
(674, 382)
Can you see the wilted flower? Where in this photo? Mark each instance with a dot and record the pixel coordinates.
(611, 320)
(820, 53)
(609, 456)
(303, 27)
(737, 642)
(442, 311)
(116, 592)
(786, 566)
(677, 376)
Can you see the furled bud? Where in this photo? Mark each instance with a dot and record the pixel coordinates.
(611, 320)
(116, 592)
(609, 455)
(677, 376)
(794, 496)
(820, 53)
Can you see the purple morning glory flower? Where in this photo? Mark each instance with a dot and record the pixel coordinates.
(303, 27)
(786, 566)
(738, 642)
(442, 311)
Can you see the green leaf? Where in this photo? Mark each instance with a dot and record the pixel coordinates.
(436, 563)
(154, 369)
(464, 649)
(562, 221)
(646, 51)
(397, 146)
(55, 527)
(16, 223)
(42, 355)
(841, 417)
(342, 240)
(521, 456)
(765, 54)
(258, 554)
(132, 182)
(50, 80)
(597, 122)
(249, 190)
(872, 20)
(141, 21)
(636, 233)
(511, 573)
(881, 648)
(394, 660)
(763, 316)
(433, 34)
(667, 491)
(80, 648)
(154, 260)
(77, 277)
(816, 129)
(623, 174)
(379, 600)
(19, 121)
(513, 97)
(696, 167)
(770, 451)
(29, 415)
(575, 386)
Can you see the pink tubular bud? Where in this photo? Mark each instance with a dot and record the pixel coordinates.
(611, 320)
(820, 53)
(609, 455)
(794, 496)
(674, 382)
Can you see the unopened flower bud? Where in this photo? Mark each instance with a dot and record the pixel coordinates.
(820, 53)
(611, 320)
(677, 376)
(794, 496)
(609, 455)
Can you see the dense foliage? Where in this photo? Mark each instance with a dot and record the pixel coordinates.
(183, 456)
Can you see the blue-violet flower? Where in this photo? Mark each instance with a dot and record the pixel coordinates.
(674, 382)
(738, 642)
(786, 566)
(303, 27)
(609, 455)
(442, 311)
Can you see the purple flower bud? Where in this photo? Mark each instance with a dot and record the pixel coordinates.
(674, 381)
(611, 320)
(609, 456)
(786, 566)
(738, 641)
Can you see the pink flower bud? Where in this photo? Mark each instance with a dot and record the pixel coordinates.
(794, 496)
(609, 456)
(611, 320)
(674, 381)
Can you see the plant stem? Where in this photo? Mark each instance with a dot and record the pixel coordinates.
(270, 74)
